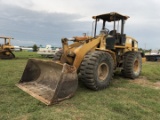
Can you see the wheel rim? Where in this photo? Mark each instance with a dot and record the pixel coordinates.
(103, 71)
(136, 66)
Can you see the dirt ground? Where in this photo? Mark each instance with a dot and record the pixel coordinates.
(142, 80)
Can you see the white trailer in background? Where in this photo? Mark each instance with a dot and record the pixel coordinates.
(154, 55)
(47, 51)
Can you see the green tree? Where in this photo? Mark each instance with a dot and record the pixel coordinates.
(35, 48)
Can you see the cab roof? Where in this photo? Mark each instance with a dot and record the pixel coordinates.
(3, 37)
(110, 16)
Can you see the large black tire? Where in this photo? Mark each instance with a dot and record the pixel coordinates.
(96, 70)
(57, 55)
(132, 65)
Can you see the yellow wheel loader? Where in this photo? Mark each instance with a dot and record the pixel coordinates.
(92, 60)
(6, 48)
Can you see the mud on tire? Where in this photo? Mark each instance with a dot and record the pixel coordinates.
(96, 70)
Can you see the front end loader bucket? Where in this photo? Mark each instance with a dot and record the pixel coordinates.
(48, 81)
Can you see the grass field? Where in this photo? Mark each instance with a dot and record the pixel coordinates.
(124, 99)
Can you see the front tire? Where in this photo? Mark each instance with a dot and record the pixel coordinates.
(96, 70)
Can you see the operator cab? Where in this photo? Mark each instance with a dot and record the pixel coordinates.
(114, 36)
(7, 40)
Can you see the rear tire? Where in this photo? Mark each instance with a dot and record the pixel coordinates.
(96, 70)
(57, 55)
(132, 65)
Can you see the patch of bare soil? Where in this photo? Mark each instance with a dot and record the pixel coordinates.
(142, 80)
(157, 84)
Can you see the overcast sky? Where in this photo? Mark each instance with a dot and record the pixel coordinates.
(45, 22)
